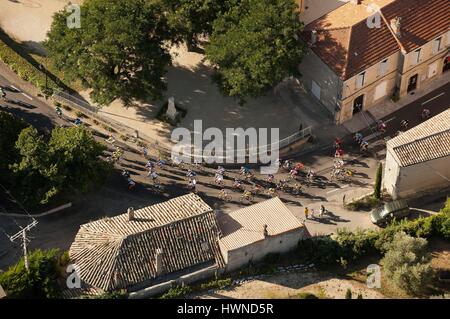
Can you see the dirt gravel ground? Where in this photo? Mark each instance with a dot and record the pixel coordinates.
(282, 286)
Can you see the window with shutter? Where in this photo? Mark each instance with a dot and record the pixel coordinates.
(383, 67)
(360, 80)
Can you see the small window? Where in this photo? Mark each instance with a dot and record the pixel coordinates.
(416, 56)
(383, 67)
(360, 80)
(437, 45)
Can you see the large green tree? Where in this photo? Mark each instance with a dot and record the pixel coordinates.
(68, 162)
(39, 282)
(254, 46)
(407, 263)
(119, 51)
(10, 128)
(190, 19)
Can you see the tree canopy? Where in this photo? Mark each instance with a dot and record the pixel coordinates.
(407, 263)
(38, 283)
(10, 128)
(68, 161)
(190, 19)
(254, 46)
(118, 52)
(37, 167)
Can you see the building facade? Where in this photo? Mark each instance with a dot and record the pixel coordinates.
(253, 232)
(359, 57)
(418, 160)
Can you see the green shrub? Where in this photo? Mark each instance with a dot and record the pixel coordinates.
(124, 138)
(80, 114)
(348, 294)
(346, 246)
(407, 263)
(353, 245)
(25, 70)
(39, 282)
(306, 295)
(378, 178)
(177, 292)
(120, 294)
(216, 284)
(366, 203)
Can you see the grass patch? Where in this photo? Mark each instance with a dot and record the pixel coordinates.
(305, 295)
(178, 292)
(366, 203)
(74, 85)
(80, 114)
(25, 70)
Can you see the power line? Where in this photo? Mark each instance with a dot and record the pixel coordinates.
(22, 234)
(16, 201)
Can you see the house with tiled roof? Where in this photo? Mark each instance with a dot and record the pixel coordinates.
(310, 10)
(147, 246)
(251, 233)
(367, 51)
(418, 160)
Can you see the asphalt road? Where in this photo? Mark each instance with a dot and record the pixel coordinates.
(114, 198)
(23, 104)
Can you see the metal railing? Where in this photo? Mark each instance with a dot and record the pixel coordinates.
(93, 112)
(248, 152)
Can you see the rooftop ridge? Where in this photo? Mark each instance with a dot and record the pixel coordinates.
(422, 138)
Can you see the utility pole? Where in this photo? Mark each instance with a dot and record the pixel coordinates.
(23, 234)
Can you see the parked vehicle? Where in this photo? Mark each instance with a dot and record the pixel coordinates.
(389, 211)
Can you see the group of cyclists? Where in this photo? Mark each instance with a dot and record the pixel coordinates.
(244, 180)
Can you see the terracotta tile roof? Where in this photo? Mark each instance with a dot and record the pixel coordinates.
(245, 226)
(427, 141)
(114, 253)
(348, 46)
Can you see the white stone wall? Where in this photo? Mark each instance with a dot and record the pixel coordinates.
(391, 171)
(404, 182)
(255, 252)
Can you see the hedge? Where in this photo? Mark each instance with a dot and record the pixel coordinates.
(348, 246)
(39, 282)
(25, 70)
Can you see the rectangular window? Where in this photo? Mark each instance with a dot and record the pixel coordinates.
(416, 56)
(380, 91)
(360, 80)
(383, 67)
(437, 45)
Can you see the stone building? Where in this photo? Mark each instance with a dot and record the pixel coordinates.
(418, 160)
(148, 246)
(251, 233)
(367, 51)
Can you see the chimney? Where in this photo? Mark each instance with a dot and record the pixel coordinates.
(158, 261)
(396, 26)
(130, 212)
(265, 232)
(355, 1)
(313, 37)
